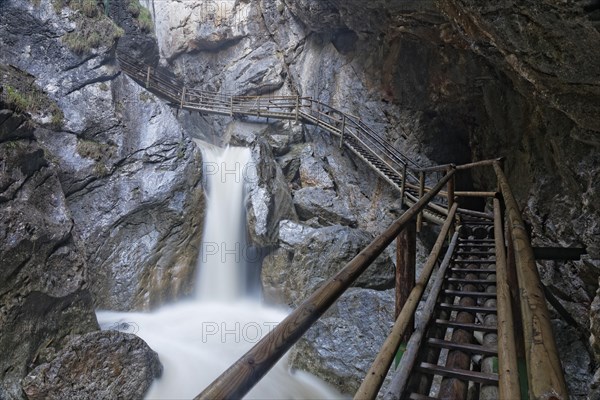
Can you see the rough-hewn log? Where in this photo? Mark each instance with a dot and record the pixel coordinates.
(545, 375)
(507, 354)
(406, 262)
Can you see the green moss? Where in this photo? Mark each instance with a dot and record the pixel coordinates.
(98, 152)
(17, 100)
(92, 27)
(21, 93)
(141, 15)
(104, 87)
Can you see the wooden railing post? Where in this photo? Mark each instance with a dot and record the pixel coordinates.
(421, 191)
(546, 379)
(403, 188)
(451, 189)
(297, 107)
(343, 129)
(231, 105)
(182, 97)
(406, 261)
(148, 77)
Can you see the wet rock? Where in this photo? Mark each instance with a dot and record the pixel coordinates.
(342, 344)
(43, 280)
(325, 205)
(106, 364)
(269, 196)
(312, 171)
(575, 359)
(309, 256)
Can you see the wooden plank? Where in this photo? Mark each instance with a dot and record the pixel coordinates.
(461, 374)
(474, 309)
(466, 347)
(470, 294)
(465, 326)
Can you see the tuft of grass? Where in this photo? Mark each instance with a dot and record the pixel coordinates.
(92, 29)
(90, 35)
(141, 15)
(17, 100)
(20, 93)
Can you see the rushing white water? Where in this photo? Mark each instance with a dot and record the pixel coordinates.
(198, 339)
(222, 262)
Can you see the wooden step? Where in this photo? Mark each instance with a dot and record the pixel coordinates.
(463, 240)
(474, 261)
(461, 293)
(473, 281)
(465, 375)
(474, 253)
(484, 245)
(465, 347)
(475, 309)
(474, 271)
(465, 326)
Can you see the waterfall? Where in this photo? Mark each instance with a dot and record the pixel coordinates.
(197, 339)
(222, 261)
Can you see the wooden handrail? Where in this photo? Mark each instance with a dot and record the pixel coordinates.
(545, 375)
(236, 381)
(508, 370)
(378, 371)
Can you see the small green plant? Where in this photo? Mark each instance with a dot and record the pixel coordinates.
(104, 87)
(17, 100)
(57, 118)
(141, 15)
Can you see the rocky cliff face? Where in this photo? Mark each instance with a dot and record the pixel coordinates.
(101, 199)
(446, 81)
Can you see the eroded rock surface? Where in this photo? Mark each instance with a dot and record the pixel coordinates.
(100, 365)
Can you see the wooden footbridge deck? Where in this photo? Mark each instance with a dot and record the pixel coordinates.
(485, 321)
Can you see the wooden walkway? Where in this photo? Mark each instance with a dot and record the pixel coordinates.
(484, 323)
(388, 162)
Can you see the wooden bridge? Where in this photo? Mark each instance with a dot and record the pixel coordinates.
(485, 321)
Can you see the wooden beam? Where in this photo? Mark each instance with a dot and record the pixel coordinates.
(421, 192)
(508, 369)
(406, 261)
(558, 253)
(546, 378)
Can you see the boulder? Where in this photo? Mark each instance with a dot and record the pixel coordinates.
(309, 256)
(342, 344)
(98, 365)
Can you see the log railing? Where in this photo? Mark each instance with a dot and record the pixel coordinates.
(544, 373)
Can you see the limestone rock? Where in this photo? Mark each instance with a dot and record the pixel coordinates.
(102, 365)
(342, 344)
(323, 204)
(43, 280)
(309, 256)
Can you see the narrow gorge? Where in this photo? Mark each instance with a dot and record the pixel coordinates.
(104, 186)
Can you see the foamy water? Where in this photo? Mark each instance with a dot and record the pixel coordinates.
(198, 339)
